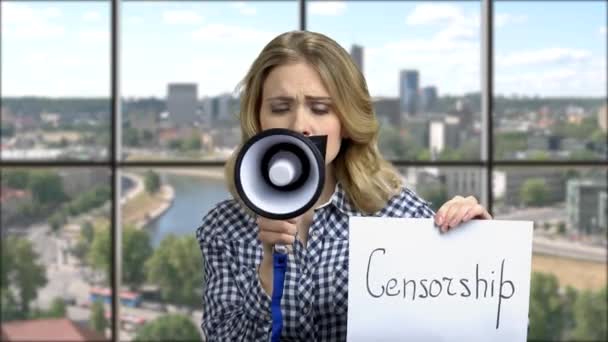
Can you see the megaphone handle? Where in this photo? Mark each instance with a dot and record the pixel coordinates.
(279, 261)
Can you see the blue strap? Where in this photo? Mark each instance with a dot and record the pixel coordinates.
(279, 267)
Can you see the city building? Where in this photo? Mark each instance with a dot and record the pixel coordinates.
(417, 129)
(143, 121)
(429, 99)
(586, 205)
(387, 110)
(515, 179)
(444, 133)
(182, 103)
(221, 110)
(356, 53)
(408, 92)
(462, 181)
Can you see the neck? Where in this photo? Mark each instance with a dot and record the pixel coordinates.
(328, 187)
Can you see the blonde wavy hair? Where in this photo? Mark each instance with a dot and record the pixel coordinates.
(367, 178)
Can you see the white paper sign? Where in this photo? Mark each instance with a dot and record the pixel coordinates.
(409, 282)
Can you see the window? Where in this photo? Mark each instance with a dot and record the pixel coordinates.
(117, 118)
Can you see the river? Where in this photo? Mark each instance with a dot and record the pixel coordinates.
(194, 197)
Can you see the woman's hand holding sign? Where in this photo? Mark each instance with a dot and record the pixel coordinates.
(459, 210)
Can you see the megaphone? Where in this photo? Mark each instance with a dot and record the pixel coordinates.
(279, 174)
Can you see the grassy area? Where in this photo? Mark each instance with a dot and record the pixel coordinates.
(139, 206)
(576, 273)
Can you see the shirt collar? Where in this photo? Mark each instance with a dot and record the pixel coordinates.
(340, 200)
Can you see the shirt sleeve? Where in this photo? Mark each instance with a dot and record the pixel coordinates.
(424, 210)
(235, 306)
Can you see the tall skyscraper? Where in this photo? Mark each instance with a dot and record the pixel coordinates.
(586, 205)
(356, 53)
(408, 92)
(182, 103)
(429, 98)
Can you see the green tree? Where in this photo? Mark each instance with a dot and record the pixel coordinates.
(394, 146)
(56, 221)
(539, 155)
(99, 255)
(87, 232)
(546, 308)
(176, 267)
(57, 310)
(131, 137)
(509, 143)
(434, 193)
(98, 319)
(7, 131)
(151, 181)
(561, 227)
(17, 179)
(168, 328)
(534, 192)
(46, 187)
(590, 316)
(193, 142)
(136, 249)
(24, 273)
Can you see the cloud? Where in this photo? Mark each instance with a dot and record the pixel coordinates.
(244, 8)
(22, 21)
(91, 16)
(135, 20)
(502, 19)
(182, 17)
(232, 34)
(564, 81)
(96, 36)
(327, 8)
(426, 14)
(543, 56)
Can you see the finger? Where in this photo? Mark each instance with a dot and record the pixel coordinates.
(451, 211)
(273, 238)
(277, 226)
(440, 214)
(459, 215)
(478, 212)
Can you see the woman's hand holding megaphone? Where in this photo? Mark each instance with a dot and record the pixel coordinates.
(274, 232)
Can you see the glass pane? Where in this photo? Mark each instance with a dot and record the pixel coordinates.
(421, 61)
(438, 185)
(569, 207)
(161, 209)
(550, 81)
(181, 63)
(56, 254)
(55, 80)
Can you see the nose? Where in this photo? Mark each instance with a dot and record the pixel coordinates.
(301, 123)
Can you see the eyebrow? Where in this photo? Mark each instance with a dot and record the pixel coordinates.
(292, 99)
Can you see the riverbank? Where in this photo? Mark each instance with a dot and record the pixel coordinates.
(140, 208)
(206, 172)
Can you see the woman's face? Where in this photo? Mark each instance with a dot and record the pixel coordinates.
(295, 98)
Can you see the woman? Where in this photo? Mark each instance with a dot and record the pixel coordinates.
(306, 82)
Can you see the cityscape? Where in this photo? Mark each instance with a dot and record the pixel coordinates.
(56, 221)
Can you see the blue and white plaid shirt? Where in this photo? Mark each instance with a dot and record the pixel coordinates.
(315, 296)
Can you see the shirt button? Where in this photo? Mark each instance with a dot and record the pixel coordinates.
(315, 233)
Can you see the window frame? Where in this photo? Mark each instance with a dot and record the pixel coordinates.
(487, 163)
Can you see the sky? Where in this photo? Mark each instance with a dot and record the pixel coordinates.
(61, 49)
